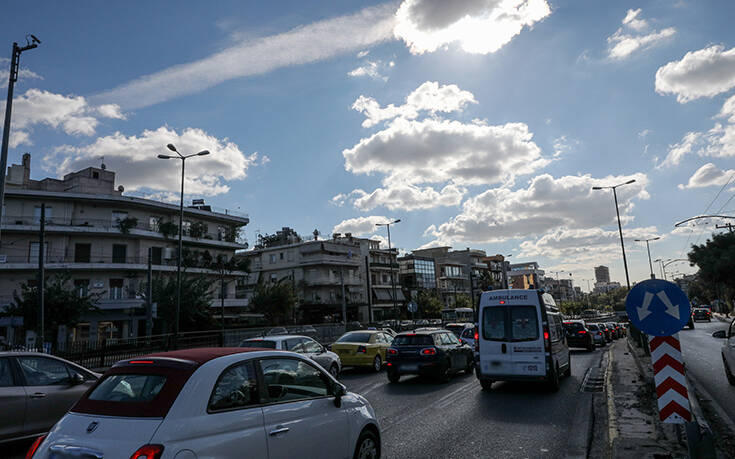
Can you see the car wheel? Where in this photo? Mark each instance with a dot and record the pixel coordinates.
(334, 371)
(470, 368)
(691, 326)
(554, 379)
(728, 373)
(367, 446)
(487, 384)
(568, 372)
(591, 346)
(377, 363)
(393, 377)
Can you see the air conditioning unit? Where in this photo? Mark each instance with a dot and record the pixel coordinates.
(168, 254)
(3, 258)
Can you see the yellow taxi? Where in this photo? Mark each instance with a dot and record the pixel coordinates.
(363, 348)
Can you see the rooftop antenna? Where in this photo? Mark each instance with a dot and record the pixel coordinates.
(102, 166)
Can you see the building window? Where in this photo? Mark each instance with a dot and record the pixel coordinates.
(186, 225)
(118, 216)
(33, 252)
(274, 278)
(81, 287)
(156, 255)
(272, 258)
(95, 175)
(119, 253)
(82, 253)
(37, 214)
(280, 255)
(154, 223)
(116, 289)
(221, 231)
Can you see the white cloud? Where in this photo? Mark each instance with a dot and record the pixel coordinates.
(436, 151)
(138, 169)
(708, 175)
(429, 97)
(635, 35)
(363, 53)
(360, 226)
(580, 244)
(702, 73)
(547, 204)
(718, 142)
(23, 73)
(478, 26)
(404, 196)
(644, 133)
(302, 45)
(371, 69)
(70, 114)
(563, 144)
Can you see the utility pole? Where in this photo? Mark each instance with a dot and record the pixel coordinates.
(369, 289)
(222, 298)
(620, 227)
(41, 274)
(149, 296)
(13, 77)
(344, 300)
(728, 226)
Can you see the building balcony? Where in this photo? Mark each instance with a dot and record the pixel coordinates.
(332, 260)
(393, 266)
(229, 303)
(86, 226)
(329, 280)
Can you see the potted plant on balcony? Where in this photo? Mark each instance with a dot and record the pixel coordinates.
(168, 229)
(197, 230)
(126, 224)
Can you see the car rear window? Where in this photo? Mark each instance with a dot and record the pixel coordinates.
(355, 338)
(573, 326)
(456, 329)
(128, 388)
(264, 343)
(516, 323)
(413, 340)
(593, 327)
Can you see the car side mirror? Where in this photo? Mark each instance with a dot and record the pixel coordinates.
(339, 392)
(77, 379)
(322, 350)
(719, 334)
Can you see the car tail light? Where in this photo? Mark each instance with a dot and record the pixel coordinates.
(582, 332)
(599, 333)
(547, 338)
(145, 362)
(392, 351)
(361, 350)
(477, 341)
(428, 351)
(148, 452)
(35, 446)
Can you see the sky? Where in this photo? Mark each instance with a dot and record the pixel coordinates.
(478, 123)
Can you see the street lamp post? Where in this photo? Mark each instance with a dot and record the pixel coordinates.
(648, 247)
(668, 262)
(12, 78)
(620, 227)
(183, 159)
(661, 265)
(506, 266)
(390, 258)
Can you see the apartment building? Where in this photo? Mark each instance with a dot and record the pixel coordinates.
(102, 237)
(561, 289)
(526, 275)
(602, 274)
(458, 272)
(384, 282)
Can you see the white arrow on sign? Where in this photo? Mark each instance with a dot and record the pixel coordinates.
(643, 311)
(671, 309)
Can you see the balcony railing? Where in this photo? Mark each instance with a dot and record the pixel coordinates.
(9, 221)
(55, 259)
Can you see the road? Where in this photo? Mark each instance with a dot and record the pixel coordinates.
(421, 418)
(702, 355)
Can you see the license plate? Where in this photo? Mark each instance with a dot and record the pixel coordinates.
(410, 367)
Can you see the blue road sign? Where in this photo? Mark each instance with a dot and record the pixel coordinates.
(658, 307)
(412, 306)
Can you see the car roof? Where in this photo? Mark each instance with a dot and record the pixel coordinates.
(276, 337)
(199, 355)
(423, 331)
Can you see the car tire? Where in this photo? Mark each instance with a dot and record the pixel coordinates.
(728, 373)
(334, 371)
(367, 446)
(691, 326)
(591, 346)
(377, 364)
(393, 377)
(553, 382)
(568, 372)
(487, 384)
(470, 368)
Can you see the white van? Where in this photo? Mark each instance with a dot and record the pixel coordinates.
(520, 338)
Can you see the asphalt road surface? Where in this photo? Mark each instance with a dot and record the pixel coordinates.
(703, 357)
(422, 418)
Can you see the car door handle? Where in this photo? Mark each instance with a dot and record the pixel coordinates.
(278, 430)
(38, 395)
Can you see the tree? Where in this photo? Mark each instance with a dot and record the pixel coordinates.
(195, 299)
(275, 300)
(462, 301)
(429, 304)
(63, 304)
(716, 262)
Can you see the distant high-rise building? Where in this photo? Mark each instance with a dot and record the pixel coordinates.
(602, 274)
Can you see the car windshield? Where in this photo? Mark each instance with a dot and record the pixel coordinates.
(413, 340)
(355, 338)
(264, 343)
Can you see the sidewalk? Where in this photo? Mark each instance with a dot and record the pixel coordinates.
(634, 429)
(722, 317)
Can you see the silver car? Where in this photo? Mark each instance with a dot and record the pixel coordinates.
(301, 344)
(36, 390)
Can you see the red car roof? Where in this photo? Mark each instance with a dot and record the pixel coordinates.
(201, 355)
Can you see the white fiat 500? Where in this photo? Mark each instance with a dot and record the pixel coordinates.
(215, 403)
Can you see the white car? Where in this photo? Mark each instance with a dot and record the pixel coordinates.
(728, 351)
(303, 345)
(215, 403)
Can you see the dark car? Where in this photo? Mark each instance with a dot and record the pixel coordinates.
(701, 314)
(435, 353)
(616, 332)
(608, 332)
(578, 335)
(597, 334)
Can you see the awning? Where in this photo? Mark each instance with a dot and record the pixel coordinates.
(382, 294)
